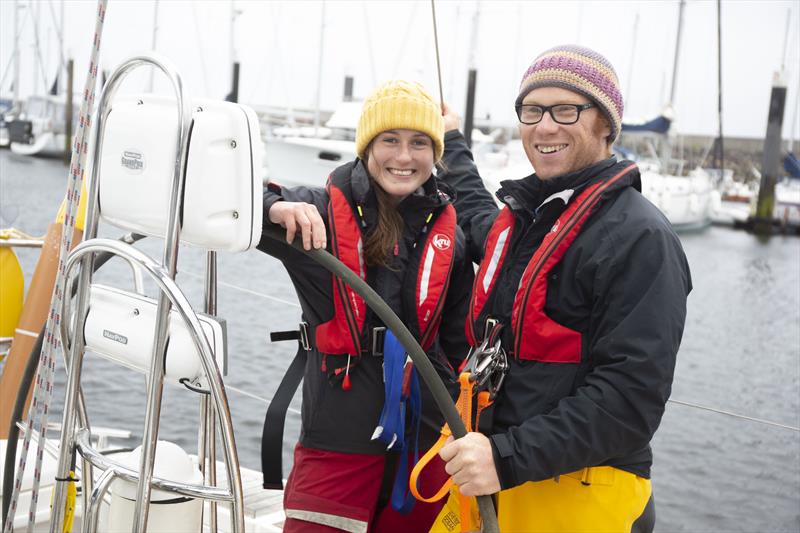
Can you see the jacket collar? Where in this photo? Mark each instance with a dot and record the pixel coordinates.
(531, 193)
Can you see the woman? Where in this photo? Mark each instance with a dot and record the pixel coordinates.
(385, 216)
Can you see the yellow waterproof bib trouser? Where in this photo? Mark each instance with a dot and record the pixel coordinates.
(599, 499)
(593, 500)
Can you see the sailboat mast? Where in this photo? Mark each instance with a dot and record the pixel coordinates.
(16, 53)
(319, 68)
(153, 43)
(633, 55)
(792, 129)
(677, 54)
(720, 149)
(62, 66)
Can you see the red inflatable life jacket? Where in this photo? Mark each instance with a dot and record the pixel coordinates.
(429, 269)
(536, 336)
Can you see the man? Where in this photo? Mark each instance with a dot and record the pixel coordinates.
(589, 282)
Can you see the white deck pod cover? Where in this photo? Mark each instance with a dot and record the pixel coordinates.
(222, 208)
(169, 512)
(121, 325)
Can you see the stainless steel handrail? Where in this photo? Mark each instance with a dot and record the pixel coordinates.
(104, 463)
(182, 306)
(21, 243)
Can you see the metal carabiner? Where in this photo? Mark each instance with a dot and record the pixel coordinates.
(487, 363)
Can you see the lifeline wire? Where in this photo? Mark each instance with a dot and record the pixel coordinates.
(436, 45)
(37, 414)
(735, 415)
(244, 290)
(671, 400)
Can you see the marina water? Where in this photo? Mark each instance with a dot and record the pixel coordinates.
(712, 472)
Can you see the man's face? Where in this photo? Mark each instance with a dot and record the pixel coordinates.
(555, 149)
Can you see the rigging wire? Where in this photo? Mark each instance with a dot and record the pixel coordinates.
(436, 46)
(201, 55)
(38, 50)
(402, 49)
(62, 64)
(17, 36)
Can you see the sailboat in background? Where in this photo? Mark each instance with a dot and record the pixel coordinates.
(686, 200)
(42, 123)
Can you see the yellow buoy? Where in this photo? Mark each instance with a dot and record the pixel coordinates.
(12, 289)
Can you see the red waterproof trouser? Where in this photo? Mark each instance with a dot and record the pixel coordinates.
(332, 491)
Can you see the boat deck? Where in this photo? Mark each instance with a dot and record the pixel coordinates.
(265, 506)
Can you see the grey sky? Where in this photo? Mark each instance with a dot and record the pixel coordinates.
(278, 45)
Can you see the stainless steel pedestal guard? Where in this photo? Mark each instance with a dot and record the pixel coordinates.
(163, 274)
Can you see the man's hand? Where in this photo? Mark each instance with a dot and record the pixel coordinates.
(302, 216)
(451, 119)
(470, 462)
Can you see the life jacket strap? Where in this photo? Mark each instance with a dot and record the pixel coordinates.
(300, 334)
(303, 336)
(272, 432)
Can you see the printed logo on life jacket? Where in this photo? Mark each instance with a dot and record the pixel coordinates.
(442, 242)
(133, 160)
(427, 316)
(354, 301)
(556, 226)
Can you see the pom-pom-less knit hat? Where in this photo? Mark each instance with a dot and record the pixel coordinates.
(581, 70)
(400, 105)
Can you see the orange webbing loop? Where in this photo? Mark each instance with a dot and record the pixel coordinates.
(484, 401)
(466, 503)
(423, 461)
(464, 402)
(464, 408)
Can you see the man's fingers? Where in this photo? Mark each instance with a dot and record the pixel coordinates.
(291, 229)
(449, 449)
(318, 233)
(305, 228)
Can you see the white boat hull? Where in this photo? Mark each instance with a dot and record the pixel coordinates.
(46, 143)
(305, 161)
(686, 201)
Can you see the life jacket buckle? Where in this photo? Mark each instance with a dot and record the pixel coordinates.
(303, 331)
(378, 335)
(300, 334)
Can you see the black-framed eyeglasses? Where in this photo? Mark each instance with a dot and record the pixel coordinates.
(560, 113)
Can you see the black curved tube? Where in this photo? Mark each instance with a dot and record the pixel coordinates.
(9, 465)
(418, 355)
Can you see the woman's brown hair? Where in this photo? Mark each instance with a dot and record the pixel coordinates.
(386, 233)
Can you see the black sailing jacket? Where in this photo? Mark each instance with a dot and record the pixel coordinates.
(343, 421)
(622, 285)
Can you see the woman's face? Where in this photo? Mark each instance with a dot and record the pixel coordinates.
(400, 161)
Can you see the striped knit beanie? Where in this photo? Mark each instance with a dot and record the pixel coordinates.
(581, 70)
(400, 105)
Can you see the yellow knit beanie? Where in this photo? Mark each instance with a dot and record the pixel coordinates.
(400, 105)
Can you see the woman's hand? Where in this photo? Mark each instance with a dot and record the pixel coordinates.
(302, 216)
(451, 119)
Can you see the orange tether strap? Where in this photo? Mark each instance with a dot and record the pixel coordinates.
(464, 408)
